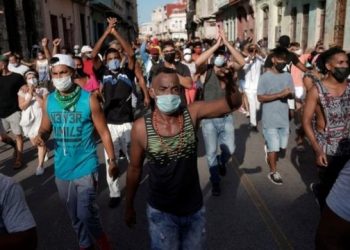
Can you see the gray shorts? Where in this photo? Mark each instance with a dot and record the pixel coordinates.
(11, 123)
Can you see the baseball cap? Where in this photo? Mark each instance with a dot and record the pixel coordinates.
(76, 46)
(187, 51)
(85, 49)
(60, 59)
(3, 58)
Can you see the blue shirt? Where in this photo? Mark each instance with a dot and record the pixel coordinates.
(75, 147)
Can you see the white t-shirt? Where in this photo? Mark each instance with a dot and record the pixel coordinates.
(21, 69)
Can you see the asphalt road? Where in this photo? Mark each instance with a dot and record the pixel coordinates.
(251, 213)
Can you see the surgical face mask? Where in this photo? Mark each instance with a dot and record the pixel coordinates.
(280, 67)
(219, 61)
(169, 57)
(188, 58)
(63, 83)
(341, 74)
(114, 64)
(76, 51)
(33, 81)
(168, 104)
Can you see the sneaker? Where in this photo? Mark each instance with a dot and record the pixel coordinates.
(39, 170)
(222, 167)
(215, 190)
(114, 202)
(275, 178)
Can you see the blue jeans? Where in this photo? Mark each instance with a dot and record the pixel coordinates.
(171, 232)
(218, 132)
(79, 197)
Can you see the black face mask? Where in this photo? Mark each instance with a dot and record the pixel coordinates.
(155, 58)
(341, 74)
(169, 57)
(80, 73)
(280, 67)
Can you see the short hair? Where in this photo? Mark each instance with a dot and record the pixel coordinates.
(294, 44)
(328, 54)
(195, 44)
(110, 50)
(164, 70)
(168, 43)
(326, 57)
(280, 53)
(78, 58)
(284, 41)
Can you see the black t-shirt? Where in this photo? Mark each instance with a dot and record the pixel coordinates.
(9, 87)
(181, 69)
(117, 90)
(291, 58)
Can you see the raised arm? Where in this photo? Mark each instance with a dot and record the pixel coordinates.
(96, 60)
(237, 58)
(203, 58)
(126, 47)
(56, 46)
(45, 45)
(142, 84)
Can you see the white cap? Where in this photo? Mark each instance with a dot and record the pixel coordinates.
(187, 51)
(76, 46)
(86, 48)
(60, 59)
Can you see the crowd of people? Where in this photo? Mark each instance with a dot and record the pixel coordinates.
(145, 101)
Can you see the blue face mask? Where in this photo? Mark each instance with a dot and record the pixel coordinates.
(219, 61)
(168, 104)
(113, 64)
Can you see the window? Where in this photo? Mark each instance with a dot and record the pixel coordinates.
(54, 26)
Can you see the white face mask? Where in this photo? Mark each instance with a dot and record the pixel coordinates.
(188, 58)
(63, 83)
(33, 81)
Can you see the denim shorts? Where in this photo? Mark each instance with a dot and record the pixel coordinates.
(276, 138)
(171, 232)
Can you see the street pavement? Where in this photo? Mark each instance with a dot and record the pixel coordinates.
(251, 213)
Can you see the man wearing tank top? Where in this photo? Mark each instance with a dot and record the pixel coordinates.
(167, 138)
(329, 134)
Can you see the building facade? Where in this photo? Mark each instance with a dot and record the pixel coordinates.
(23, 23)
(168, 21)
(305, 21)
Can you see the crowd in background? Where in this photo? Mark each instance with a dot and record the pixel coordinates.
(145, 100)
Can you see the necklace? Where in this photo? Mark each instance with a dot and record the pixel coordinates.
(161, 139)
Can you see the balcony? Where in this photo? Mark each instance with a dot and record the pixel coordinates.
(102, 4)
